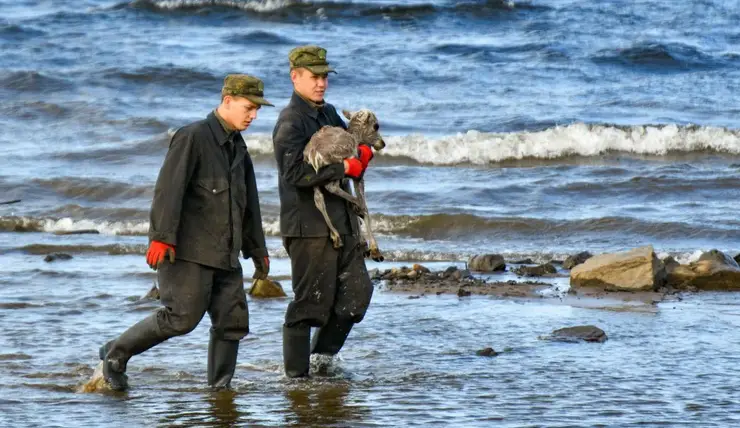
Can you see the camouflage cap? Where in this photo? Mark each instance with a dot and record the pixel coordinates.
(244, 85)
(310, 57)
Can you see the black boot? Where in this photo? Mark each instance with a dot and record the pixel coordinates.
(329, 339)
(116, 353)
(296, 350)
(221, 362)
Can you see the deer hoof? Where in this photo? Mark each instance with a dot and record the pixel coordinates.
(376, 255)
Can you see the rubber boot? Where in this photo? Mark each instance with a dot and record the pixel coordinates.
(296, 350)
(116, 353)
(221, 362)
(329, 339)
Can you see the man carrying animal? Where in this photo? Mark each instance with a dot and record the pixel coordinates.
(332, 286)
(205, 210)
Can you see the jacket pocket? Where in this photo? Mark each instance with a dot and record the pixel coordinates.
(214, 186)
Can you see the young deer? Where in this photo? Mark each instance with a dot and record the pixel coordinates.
(332, 144)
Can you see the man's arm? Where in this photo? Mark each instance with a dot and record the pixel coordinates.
(174, 177)
(253, 237)
(288, 141)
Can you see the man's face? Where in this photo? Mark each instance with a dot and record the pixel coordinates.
(240, 111)
(309, 85)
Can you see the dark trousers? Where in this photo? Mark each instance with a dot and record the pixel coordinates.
(189, 290)
(327, 281)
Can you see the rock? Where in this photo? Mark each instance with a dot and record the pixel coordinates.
(419, 268)
(737, 259)
(486, 352)
(412, 274)
(57, 256)
(487, 263)
(576, 259)
(719, 257)
(523, 262)
(153, 293)
(635, 270)
(669, 263)
(713, 271)
(374, 274)
(541, 270)
(587, 333)
(556, 262)
(462, 292)
(266, 288)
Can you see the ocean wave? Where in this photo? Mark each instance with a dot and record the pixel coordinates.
(429, 227)
(18, 33)
(577, 139)
(663, 55)
(483, 148)
(94, 189)
(167, 75)
(468, 226)
(32, 81)
(297, 9)
(66, 225)
(259, 38)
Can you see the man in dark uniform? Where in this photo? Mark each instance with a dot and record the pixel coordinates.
(205, 210)
(332, 286)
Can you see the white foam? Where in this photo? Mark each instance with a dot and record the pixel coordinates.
(577, 139)
(253, 5)
(103, 227)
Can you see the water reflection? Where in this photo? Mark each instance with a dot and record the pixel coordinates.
(324, 405)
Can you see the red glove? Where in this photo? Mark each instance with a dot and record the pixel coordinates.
(157, 252)
(353, 168)
(261, 267)
(366, 154)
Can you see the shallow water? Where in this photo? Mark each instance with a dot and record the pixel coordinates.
(411, 362)
(527, 128)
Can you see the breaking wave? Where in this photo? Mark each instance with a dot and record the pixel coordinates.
(577, 139)
(428, 227)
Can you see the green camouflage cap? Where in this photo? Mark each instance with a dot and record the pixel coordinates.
(310, 57)
(244, 85)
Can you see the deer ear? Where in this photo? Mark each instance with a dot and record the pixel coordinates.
(347, 114)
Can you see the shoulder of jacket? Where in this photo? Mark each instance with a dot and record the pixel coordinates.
(192, 132)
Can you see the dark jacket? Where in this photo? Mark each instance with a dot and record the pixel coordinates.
(299, 217)
(207, 209)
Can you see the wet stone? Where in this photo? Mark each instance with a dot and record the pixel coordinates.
(586, 333)
(541, 270)
(576, 259)
(57, 256)
(486, 352)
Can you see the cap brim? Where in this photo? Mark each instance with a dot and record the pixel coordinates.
(259, 100)
(319, 69)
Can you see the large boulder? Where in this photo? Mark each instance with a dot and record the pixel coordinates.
(266, 289)
(542, 270)
(576, 259)
(487, 263)
(635, 270)
(586, 333)
(737, 259)
(713, 271)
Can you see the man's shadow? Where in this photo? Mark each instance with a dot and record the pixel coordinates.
(323, 405)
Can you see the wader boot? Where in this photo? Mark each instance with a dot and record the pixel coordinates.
(329, 339)
(116, 353)
(221, 362)
(296, 350)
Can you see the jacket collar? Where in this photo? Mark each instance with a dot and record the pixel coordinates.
(303, 106)
(218, 131)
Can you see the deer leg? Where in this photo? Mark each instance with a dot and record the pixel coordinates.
(336, 189)
(375, 253)
(318, 199)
